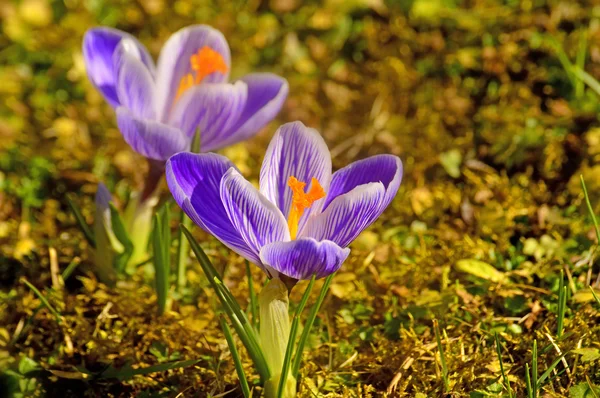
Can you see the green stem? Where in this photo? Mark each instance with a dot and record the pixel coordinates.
(281, 389)
(138, 219)
(274, 336)
(139, 213)
(309, 323)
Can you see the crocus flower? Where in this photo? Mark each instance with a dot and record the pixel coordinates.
(302, 219)
(159, 108)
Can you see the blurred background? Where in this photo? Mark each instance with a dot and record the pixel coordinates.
(439, 82)
(492, 106)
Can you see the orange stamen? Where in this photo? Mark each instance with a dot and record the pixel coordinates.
(207, 61)
(204, 62)
(302, 201)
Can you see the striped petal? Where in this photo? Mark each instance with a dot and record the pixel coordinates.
(99, 45)
(266, 94)
(257, 220)
(135, 84)
(386, 169)
(297, 151)
(211, 108)
(303, 258)
(174, 62)
(348, 215)
(147, 137)
(195, 181)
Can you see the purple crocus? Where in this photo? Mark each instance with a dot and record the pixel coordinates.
(283, 227)
(159, 108)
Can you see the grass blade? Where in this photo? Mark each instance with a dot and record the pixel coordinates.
(292, 340)
(70, 268)
(249, 340)
(528, 382)
(161, 244)
(183, 251)
(544, 376)
(241, 315)
(580, 62)
(564, 60)
(595, 295)
(87, 232)
(127, 372)
(504, 375)
(534, 369)
(44, 301)
(587, 79)
(239, 368)
(309, 323)
(122, 236)
(436, 328)
(217, 283)
(591, 386)
(253, 298)
(589, 206)
(562, 305)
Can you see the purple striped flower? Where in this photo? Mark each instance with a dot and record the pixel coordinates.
(283, 227)
(160, 107)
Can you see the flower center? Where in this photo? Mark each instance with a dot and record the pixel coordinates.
(301, 201)
(203, 63)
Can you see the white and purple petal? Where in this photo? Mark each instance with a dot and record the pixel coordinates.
(297, 151)
(195, 182)
(303, 258)
(102, 200)
(386, 169)
(258, 221)
(149, 138)
(266, 94)
(211, 108)
(174, 62)
(134, 84)
(99, 45)
(347, 215)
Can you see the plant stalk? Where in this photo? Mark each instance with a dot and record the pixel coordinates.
(274, 335)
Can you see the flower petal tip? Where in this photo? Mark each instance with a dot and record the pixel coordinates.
(149, 138)
(302, 258)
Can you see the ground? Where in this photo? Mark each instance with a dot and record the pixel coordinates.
(492, 106)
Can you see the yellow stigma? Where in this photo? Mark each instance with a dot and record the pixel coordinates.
(204, 62)
(185, 83)
(302, 200)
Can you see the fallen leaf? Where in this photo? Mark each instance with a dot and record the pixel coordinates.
(480, 269)
(587, 354)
